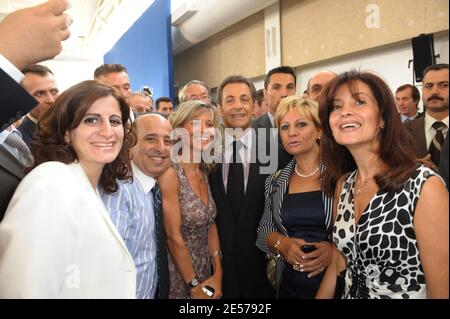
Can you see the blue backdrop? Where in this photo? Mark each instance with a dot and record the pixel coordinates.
(146, 51)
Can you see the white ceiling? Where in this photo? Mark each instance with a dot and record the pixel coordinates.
(97, 26)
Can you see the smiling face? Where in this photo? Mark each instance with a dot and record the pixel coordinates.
(354, 119)
(151, 154)
(298, 133)
(201, 130)
(98, 138)
(237, 106)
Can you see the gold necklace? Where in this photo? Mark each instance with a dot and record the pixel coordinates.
(361, 185)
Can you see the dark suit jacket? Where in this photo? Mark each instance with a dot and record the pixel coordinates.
(28, 130)
(264, 122)
(416, 130)
(11, 173)
(14, 101)
(244, 265)
(443, 166)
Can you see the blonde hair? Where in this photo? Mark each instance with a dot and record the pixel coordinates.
(308, 108)
(186, 111)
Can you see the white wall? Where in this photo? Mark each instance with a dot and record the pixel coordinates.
(69, 73)
(390, 63)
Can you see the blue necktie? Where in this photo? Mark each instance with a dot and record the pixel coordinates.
(161, 250)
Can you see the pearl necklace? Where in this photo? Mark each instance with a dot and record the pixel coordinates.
(306, 175)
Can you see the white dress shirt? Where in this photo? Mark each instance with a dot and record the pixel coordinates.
(10, 69)
(245, 154)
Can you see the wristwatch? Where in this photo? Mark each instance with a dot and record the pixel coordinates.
(192, 284)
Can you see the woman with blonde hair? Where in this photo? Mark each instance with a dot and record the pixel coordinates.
(188, 207)
(297, 216)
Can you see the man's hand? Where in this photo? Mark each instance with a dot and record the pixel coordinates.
(34, 34)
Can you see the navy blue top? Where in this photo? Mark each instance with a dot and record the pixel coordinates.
(303, 217)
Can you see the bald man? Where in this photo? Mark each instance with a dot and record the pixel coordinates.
(317, 83)
(136, 207)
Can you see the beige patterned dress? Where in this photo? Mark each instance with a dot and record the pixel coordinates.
(196, 218)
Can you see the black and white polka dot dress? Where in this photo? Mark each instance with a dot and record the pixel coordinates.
(382, 252)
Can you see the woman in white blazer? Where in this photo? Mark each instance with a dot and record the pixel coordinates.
(57, 240)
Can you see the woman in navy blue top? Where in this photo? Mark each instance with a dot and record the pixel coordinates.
(296, 223)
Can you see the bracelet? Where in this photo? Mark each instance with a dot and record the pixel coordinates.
(216, 253)
(277, 244)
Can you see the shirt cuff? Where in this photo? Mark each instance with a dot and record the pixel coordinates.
(10, 69)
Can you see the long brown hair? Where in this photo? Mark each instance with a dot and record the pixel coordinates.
(65, 115)
(395, 147)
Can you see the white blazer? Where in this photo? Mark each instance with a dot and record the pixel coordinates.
(57, 240)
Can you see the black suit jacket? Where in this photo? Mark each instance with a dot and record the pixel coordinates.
(28, 130)
(15, 102)
(11, 173)
(416, 130)
(443, 166)
(264, 122)
(244, 265)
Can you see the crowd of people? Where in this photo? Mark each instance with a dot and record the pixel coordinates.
(339, 193)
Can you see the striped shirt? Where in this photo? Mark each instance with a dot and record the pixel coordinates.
(131, 211)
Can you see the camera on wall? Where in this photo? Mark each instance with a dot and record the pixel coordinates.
(148, 90)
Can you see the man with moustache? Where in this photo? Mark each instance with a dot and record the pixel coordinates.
(430, 130)
(135, 208)
(237, 186)
(278, 84)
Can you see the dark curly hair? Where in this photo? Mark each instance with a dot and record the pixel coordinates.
(65, 115)
(396, 149)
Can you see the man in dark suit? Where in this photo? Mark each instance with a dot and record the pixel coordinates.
(443, 165)
(407, 97)
(39, 81)
(237, 186)
(278, 84)
(428, 132)
(27, 36)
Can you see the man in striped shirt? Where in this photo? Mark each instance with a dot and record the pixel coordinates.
(134, 209)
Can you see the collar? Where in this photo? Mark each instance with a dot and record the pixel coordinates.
(429, 121)
(244, 139)
(32, 119)
(147, 182)
(271, 118)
